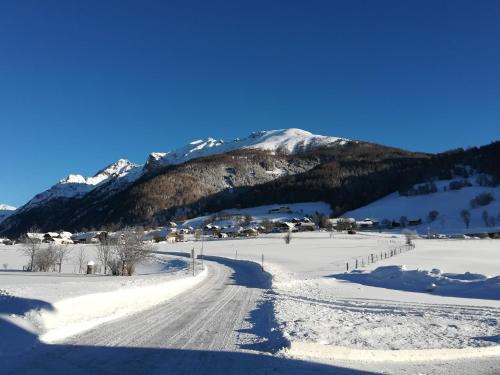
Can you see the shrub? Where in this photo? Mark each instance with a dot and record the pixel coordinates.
(433, 215)
(482, 199)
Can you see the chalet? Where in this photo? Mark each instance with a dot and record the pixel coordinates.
(305, 226)
(284, 226)
(366, 223)
(6, 241)
(232, 230)
(250, 232)
(86, 237)
(57, 238)
(34, 237)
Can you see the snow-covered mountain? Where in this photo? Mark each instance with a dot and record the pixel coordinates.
(288, 141)
(123, 172)
(6, 211)
(118, 174)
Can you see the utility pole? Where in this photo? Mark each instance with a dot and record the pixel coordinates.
(192, 257)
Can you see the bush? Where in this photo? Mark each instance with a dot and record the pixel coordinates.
(433, 215)
(482, 199)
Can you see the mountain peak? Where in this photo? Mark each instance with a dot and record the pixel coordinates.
(290, 141)
(6, 207)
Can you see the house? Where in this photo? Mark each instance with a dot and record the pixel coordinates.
(61, 238)
(162, 234)
(305, 226)
(284, 226)
(366, 223)
(232, 230)
(250, 232)
(6, 241)
(342, 223)
(34, 237)
(86, 237)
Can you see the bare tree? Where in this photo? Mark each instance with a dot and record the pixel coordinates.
(197, 234)
(288, 237)
(45, 259)
(267, 225)
(61, 252)
(81, 260)
(105, 252)
(31, 245)
(465, 214)
(130, 249)
(486, 217)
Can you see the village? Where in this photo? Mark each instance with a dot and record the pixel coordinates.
(223, 225)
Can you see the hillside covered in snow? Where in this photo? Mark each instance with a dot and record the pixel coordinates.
(441, 211)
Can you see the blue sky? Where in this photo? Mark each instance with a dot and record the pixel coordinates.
(83, 83)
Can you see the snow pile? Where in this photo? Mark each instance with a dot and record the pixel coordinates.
(339, 353)
(466, 285)
(74, 315)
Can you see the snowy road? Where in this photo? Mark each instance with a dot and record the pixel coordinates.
(222, 326)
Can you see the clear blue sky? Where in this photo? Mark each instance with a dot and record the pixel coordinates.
(83, 83)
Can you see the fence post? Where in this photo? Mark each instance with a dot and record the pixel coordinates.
(262, 262)
(347, 266)
(356, 262)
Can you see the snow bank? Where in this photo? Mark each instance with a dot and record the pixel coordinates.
(466, 285)
(318, 351)
(74, 315)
